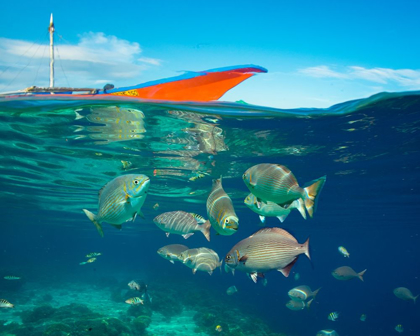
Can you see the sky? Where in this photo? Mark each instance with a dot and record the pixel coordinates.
(318, 53)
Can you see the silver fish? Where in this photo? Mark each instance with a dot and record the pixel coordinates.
(172, 252)
(405, 294)
(200, 259)
(220, 210)
(327, 332)
(270, 209)
(267, 249)
(298, 305)
(276, 183)
(5, 304)
(302, 293)
(182, 223)
(120, 200)
(347, 273)
(231, 290)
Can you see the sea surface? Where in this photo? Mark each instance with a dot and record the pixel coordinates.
(57, 154)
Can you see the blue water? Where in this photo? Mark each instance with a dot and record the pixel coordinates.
(54, 161)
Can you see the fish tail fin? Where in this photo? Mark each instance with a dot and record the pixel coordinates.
(94, 220)
(315, 293)
(311, 193)
(300, 205)
(308, 304)
(360, 275)
(205, 228)
(415, 298)
(306, 249)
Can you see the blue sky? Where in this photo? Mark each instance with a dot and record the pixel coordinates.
(318, 53)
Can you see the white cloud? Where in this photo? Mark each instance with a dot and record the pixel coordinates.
(94, 59)
(322, 71)
(152, 61)
(407, 78)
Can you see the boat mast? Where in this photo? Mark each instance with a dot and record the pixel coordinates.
(51, 30)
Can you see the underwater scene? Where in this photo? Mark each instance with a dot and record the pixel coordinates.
(121, 217)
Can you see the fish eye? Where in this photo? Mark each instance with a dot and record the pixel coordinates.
(136, 182)
(226, 220)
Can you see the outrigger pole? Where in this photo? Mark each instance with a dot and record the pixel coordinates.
(51, 30)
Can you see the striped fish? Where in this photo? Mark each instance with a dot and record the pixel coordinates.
(220, 210)
(271, 209)
(11, 277)
(172, 252)
(201, 259)
(333, 316)
(182, 223)
(267, 249)
(276, 183)
(5, 304)
(134, 301)
(120, 200)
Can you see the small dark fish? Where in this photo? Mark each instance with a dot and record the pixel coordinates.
(347, 273)
(405, 294)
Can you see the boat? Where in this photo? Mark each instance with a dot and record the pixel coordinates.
(202, 86)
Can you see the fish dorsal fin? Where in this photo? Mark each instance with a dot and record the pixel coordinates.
(217, 183)
(101, 190)
(198, 218)
(276, 230)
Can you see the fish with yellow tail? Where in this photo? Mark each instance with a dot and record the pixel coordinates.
(405, 294)
(93, 255)
(276, 183)
(333, 316)
(347, 273)
(5, 304)
(219, 328)
(399, 328)
(134, 301)
(220, 210)
(271, 209)
(267, 249)
(120, 200)
(344, 251)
